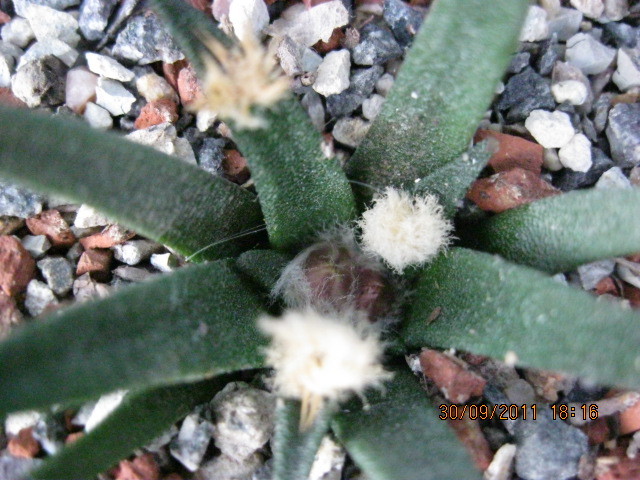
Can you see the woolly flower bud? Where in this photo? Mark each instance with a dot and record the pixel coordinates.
(404, 230)
(318, 358)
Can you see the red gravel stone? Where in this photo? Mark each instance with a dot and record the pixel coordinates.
(189, 87)
(597, 431)
(9, 99)
(469, 433)
(51, 224)
(143, 467)
(632, 294)
(171, 71)
(157, 112)
(17, 267)
(624, 469)
(9, 315)
(202, 5)
(72, 437)
(334, 42)
(506, 190)
(24, 445)
(607, 285)
(451, 376)
(96, 262)
(4, 18)
(235, 166)
(630, 419)
(107, 238)
(513, 152)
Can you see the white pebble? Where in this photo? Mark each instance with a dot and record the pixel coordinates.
(627, 75)
(48, 23)
(371, 106)
(588, 54)
(571, 91)
(135, 251)
(153, 87)
(39, 297)
(52, 46)
(384, 84)
(6, 68)
(576, 154)
(550, 129)
(535, 26)
(112, 95)
(107, 404)
(205, 119)
(248, 17)
(591, 8)
(80, 88)
(329, 459)
(192, 442)
(97, 117)
(21, 420)
(165, 262)
(551, 161)
(18, 31)
(87, 217)
(332, 76)
(613, 178)
(108, 67)
(36, 245)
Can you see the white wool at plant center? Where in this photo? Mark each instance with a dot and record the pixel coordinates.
(404, 230)
(318, 358)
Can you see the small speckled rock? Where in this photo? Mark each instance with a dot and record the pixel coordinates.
(623, 133)
(613, 178)
(50, 47)
(16, 201)
(403, 19)
(39, 298)
(48, 23)
(94, 17)
(36, 245)
(192, 441)
(377, 45)
(525, 92)
(58, 273)
(41, 82)
(153, 87)
(591, 273)
(146, 40)
(350, 131)
(22, 5)
(328, 462)
(371, 106)
(244, 419)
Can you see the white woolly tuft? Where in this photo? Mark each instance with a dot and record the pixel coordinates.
(404, 230)
(318, 358)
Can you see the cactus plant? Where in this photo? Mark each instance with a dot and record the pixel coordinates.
(172, 340)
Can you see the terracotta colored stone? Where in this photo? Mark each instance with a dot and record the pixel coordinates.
(630, 419)
(546, 384)
(17, 268)
(235, 166)
(632, 294)
(635, 258)
(171, 71)
(469, 433)
(96, 262)
(8, 225)
(4, 18)
(9, 99)
(335, 41)
(506, 190)
(202, 5)
(189, 88)
(9, 315)
(624, 468)
(24, 445)
(143, 467)
(598, 431)
(51, 224)
(72, 437)
(107, 238)
(513, 152)
(606, 285)
(157, 112)
(451, 376)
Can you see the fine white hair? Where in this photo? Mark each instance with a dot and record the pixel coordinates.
(404, 230)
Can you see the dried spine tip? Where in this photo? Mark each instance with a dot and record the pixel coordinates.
(404, 230)
(318, 358)
(240, 78)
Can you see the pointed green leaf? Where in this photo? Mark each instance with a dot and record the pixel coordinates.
(294, 449)
(443, 88)
(478, 302)
(559, 233)
(263, 267)
(189, 26)
(451, 181)
(138, 420)
(301, 192)
(156, 195)
(192, 324)
(400, 437)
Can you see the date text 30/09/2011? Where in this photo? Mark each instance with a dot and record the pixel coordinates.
(512, 412)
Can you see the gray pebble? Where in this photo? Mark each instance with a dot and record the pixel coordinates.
(312, 103)
(17, 201)
(371, 106)
(350, 131)
(403, 20)
(518, 62)
(130, 274)
(39, 297)
(623, 133)
(135, 251)
(146, 40)
(588, 54)
(567, 180)
(620, 34)
(525, 92)
(12, 468)
(21, 6)
(565, 24)
(192, 441)
(613, 178)
(377, 45)
(58, 273)
(361, 85)
(550, 52)
(94, 17)
(211, 155)
(601, 110)
(591, 273)
(384, 84)
(547, 448)
(41, 82)
(36, 245)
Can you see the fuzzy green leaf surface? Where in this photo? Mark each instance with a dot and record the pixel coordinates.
(444, 86)
(301, 192)
(294, 449)
(157, 196)
(491, 307)
(193, 324)
(562, 232)
(190, 27)
(138, 420)
(400, 437)
(263, 267)
(451, 181)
